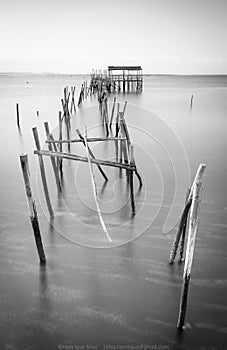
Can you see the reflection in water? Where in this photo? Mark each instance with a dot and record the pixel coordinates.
(44, 301)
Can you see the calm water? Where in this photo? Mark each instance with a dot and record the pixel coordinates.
(126, 294)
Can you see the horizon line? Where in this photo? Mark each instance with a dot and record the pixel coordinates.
(59, 73)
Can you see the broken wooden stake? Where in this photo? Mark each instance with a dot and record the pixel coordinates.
(192, 229)
(92, 155)
(18, 115)
(32, 208)
(42, 171)
(54, 165)
(95, 190)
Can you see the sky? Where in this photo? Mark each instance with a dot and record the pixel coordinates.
(74, 36)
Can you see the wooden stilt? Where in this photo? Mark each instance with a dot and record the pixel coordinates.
(117, 119)
(95, 190)
(106, 117)
(112, 113)
(191, 102)
(125, 105)
(183, 220)
(54, 166)
(60, 144)
(92, 155)
(181, 251)
(32, 208)
(131, 152)
(18, 115)
(182, 224)
(42, 171)
(192, 230)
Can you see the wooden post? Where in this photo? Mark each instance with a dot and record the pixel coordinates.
(106, 117)
(181, 251)
(54, 166)
(60, 144)
(131, 152)
(183, 222)
(192, 229)
(91, 154)
(124, 108)
(112, 113)
(67, 123)
(32, 207)
(124, 144)
(18, 115)
(191, 101)
(42, 171)
(95, 190)
(117, 119)
(183, 219)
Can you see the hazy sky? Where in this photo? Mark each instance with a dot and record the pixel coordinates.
(72, 36)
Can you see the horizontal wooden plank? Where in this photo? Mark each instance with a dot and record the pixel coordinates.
(91, 139)
(84, 159)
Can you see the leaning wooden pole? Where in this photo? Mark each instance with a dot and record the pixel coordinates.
(183, 235)
(54, 165)
(18, 115)
(184, 216)
(112, 113)
(32, 208)
(42, 171)
(60, 144)
(192, 230)
(92, 155)
(95, 190)
(132, 162)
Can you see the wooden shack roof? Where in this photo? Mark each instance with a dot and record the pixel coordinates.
(124, 68)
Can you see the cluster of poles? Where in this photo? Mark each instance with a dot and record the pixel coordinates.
(125, 160)
(187, 226)
(57, 153)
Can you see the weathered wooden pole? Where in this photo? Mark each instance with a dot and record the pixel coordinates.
(42, 171)
(67, 123)
(132, 162)
(191, 101)
(54, 165)
(181, 250)
(92, 155)
(125, 105)
(117, 119)
(184, 216)
(95, 189)
(182, 224)
(18, 115)
(106, 117)
(112, 113)
(32, 208)
(60, 144)
(192, 229)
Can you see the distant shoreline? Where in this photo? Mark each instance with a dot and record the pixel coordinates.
(82, 74)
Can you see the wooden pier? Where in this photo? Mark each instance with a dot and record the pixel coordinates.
(118, 78)
(126, 78)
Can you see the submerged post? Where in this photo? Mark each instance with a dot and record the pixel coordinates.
(18, 115)
(192, 229)
(191, 101)
(54, 165)
(42, 171)
(132, 162)
(32, 207)
(60, 144)
(184, 216)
